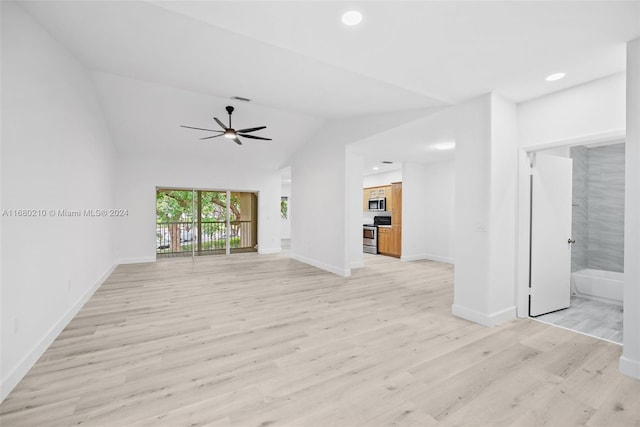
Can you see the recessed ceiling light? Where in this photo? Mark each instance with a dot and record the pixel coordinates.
(375, 168)
(351, 18)
(554, 77)
(444, 146)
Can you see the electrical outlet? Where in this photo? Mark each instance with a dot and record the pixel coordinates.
(16, 326)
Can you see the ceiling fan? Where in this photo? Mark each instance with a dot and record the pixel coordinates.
(230, 132)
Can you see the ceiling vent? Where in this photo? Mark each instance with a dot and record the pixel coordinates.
(387, 162)
(240, 98)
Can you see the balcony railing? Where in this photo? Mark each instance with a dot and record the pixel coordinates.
(184, 238)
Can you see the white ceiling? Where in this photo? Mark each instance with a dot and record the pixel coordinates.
(447, 50)
(301, 66)
(416, 141)
(145, 120)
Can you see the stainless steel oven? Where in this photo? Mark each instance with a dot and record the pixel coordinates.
(370, 239)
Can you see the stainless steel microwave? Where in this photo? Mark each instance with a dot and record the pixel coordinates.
(377, 205)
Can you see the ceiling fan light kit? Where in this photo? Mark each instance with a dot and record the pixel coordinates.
(229, 132)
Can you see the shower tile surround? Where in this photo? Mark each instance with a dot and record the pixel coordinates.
(579, 221)
(598, 208)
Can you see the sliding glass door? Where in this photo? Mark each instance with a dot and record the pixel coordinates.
(192, 222)
(243, 222)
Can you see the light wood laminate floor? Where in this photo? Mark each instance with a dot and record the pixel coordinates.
(262, 340)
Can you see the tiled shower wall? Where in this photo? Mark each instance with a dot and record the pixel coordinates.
(598, 208)
(579, 208)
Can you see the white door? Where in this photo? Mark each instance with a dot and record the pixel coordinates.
(550, 234)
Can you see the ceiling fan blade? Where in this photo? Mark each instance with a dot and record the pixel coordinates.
(210, 130)
(254, 137)
(251, 129)
(220, 123)
(209, 137)
(237, 141)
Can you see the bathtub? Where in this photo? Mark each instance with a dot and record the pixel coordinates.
(606, 286)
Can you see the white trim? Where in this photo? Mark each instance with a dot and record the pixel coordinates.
(522, 236)
(331, 269)
(26, 363)
(410, 258)
(427, 257)
(138, 260)
(522, 242)
(483, 319)
(269, 251)
(357, 264)
(596, 138)
(575, 331)
(630, 367)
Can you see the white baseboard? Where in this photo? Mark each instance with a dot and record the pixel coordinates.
(419, 257)
(484, 319)
(437, 258)
(268, 251)
(9, 382)
(357, 264)
(630, 368)
(409, 258)
(330, 268)
(137, 260)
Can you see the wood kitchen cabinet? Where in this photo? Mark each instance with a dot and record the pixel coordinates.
(396, 219)
(396, 241)
(385, 243)
(396, 203)
(389, 238)
(389, 196)
(383, 191)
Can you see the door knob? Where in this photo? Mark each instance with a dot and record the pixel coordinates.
(571, 241)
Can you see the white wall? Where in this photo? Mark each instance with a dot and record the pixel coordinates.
(503, 208)
(589, 113)
(472, 197)
(384, 178)
(56, 154)
(588, 110)
(322, 183)
(353, 227)
(136, 191)
(485, 201)
(413, 210)
(630, 360)
(319, 201)
(439, 208)
(427, 208)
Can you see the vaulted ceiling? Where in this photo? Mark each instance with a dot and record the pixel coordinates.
(161, 64)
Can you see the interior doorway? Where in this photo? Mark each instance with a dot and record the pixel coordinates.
(550, 237)
(595, 280)
(193, 222)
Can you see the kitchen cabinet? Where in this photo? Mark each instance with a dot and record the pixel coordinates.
(389, 238)
(389, 196)
(385, 243)
(396, 219)
(382, 191)
(396, 241)
(396, 203)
